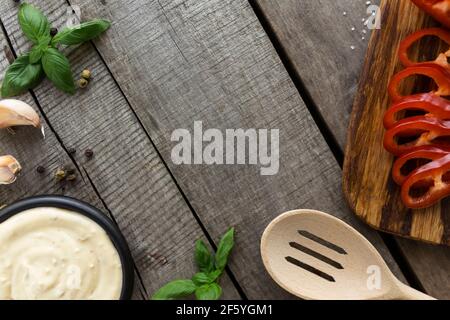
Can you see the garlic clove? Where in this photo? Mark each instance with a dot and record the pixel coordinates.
(17, 113)
(9, 169)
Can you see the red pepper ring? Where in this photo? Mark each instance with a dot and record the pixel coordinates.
(438, 9)
(430, 104)
(411, 39)
(424, 131)
(427, 185)
(436, 72)
(416, 159)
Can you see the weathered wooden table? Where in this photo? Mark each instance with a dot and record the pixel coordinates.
(275, 64)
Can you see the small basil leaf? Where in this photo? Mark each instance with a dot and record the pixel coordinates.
(57, 68)
(214, 276)
(21, 76)
(201, 278)
(208, 292)
(175, 289)
(34, 24)
(82, 33)
(203, 257)
(37, 52)
(223, 251)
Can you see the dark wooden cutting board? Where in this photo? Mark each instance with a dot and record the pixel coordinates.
(367, 181)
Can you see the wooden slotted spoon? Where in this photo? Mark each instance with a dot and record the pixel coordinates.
(316, 256)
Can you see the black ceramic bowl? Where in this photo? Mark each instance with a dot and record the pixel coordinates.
(93, 213)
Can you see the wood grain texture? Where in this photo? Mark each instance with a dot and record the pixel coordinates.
(323, 48)
(317, 38)
(375, 197)
(182, 61)
(128, 178)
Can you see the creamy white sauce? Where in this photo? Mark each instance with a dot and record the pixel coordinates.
(52, 254)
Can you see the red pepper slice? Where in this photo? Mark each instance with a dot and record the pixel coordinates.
(411, 39)
(429, 104)
(428, 184)
(408, 163)
(438, 9)
(438, 73)
(420, 131)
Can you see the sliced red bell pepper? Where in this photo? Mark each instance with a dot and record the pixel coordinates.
(420, 131)
(438, 9)
(427, 184)
(429, 104)
(411, 39)
(406, 164)
(438, 73)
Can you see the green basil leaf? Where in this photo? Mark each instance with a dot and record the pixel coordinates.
(57, 68)
(37, 52)
(203, 257)
(82, 33)
(21, 76)
(34, 24)
(175, 289)
(214, 276)
(202, 278)
(208, 292)
(223, 251)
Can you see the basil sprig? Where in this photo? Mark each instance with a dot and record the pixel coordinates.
(204, 284)
(28, 70)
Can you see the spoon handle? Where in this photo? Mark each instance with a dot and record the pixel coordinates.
(408, 293)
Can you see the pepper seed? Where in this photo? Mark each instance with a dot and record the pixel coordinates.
(89, 153)
(40, 169)
(53, 32)
(82, 83)
(86, 74)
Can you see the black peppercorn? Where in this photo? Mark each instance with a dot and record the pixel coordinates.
(72, 151)
(53, 32)
(89, 153)
(40, 169)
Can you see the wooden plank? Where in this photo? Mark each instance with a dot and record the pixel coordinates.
(318, 38)
(126, 171)
(328, 32)
(182, 61)
(32, 150)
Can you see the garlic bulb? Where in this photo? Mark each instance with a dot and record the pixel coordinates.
(17, 113)
(9, 169)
